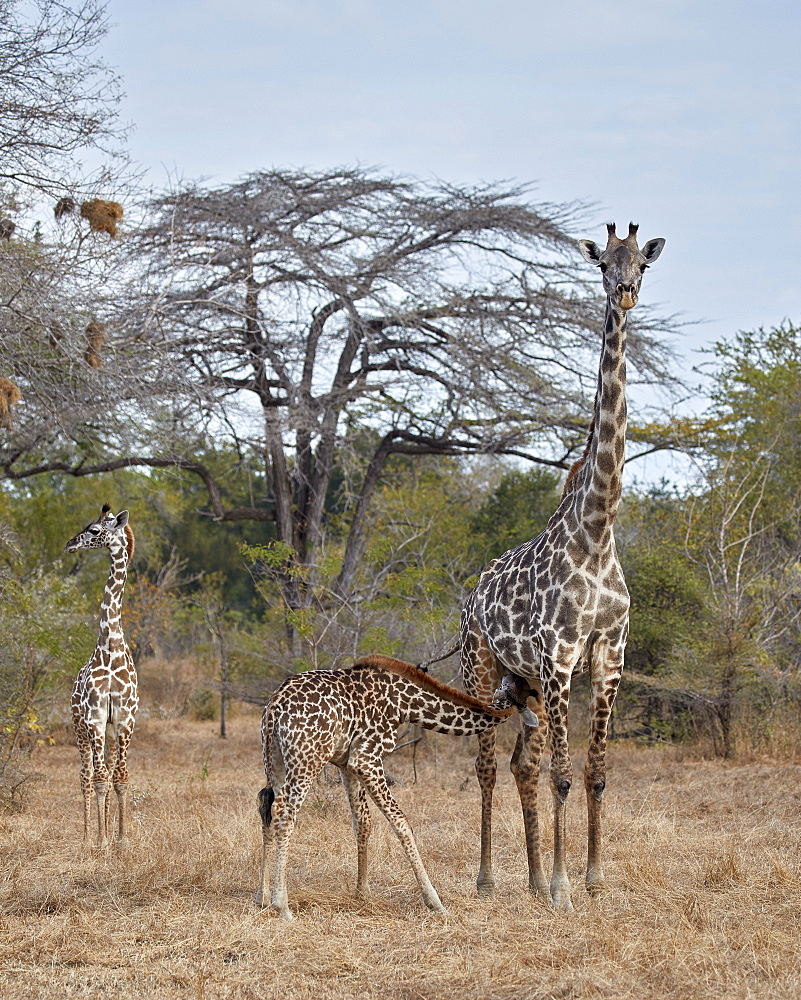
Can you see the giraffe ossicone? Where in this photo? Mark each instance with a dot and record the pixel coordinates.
(558, 605)
(349, 718)
(104, 696)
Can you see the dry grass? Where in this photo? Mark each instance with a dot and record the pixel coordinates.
(703, 865)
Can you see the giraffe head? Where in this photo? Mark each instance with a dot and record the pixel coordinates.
(104, 532)
(622, 263)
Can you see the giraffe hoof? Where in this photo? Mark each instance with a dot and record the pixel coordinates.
(560, 894)
(486, 890)
(596, 889)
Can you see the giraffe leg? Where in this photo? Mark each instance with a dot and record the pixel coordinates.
(371, 771)
(605, 668)
(110, 759)
(85, 750)
(284, 815)
(361, 822)
(101, 777)
(525, 766)
(266, 799)
(120, 782)
(481, 675)
(556, 695)
(486, 772)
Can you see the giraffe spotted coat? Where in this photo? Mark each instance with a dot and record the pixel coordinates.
(558, 605)
(104, 696)
(349, 718)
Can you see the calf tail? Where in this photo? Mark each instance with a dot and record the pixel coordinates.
(266, 799)
(267, 795)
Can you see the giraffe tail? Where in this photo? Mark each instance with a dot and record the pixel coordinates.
(267, 795)
(266, 799)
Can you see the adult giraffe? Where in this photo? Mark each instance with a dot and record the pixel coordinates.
(104, 697)
(558, 605)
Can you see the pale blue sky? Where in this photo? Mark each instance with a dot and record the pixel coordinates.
(683, 116)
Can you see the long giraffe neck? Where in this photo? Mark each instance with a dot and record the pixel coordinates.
(111, 606)
(438, 712)
(599, 484)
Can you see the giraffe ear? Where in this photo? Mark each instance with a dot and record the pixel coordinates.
(652, 249)
(122, 519)
(590, 251)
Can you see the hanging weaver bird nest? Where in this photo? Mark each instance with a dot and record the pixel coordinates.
(9, 396)
(65, 206)
(95, 335)
(7, 227)
(103, 216)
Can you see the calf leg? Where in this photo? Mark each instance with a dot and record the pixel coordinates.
(371, 771)
(285, 810)
(361, 822)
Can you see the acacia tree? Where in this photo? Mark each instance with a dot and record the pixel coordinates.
(425, 318)
(327, 321)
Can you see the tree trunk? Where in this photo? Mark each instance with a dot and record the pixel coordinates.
(356, 544)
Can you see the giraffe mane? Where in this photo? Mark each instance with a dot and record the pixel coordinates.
(429, 683)
(129, 538)
(576, 467)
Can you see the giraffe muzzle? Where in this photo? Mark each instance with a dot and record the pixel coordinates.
(627, 298)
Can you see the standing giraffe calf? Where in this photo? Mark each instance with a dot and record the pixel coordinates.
(349, 718)
(104, 696)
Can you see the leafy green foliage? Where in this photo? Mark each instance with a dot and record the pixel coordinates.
(42, 638)
(516, 511)
(668, 594)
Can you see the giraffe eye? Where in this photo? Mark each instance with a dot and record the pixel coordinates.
(603, 267)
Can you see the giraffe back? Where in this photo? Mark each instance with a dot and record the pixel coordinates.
(328, 714)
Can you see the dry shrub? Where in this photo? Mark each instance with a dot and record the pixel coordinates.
(103, 215)
(204, 705)
(56, 332)
(95, 338)
(9, 397)
(165, 687)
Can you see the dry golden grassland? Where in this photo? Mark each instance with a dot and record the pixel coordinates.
(703, 867)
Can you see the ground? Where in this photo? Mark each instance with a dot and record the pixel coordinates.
(703, 868)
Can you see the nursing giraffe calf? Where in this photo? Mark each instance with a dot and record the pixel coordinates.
(350, 718)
